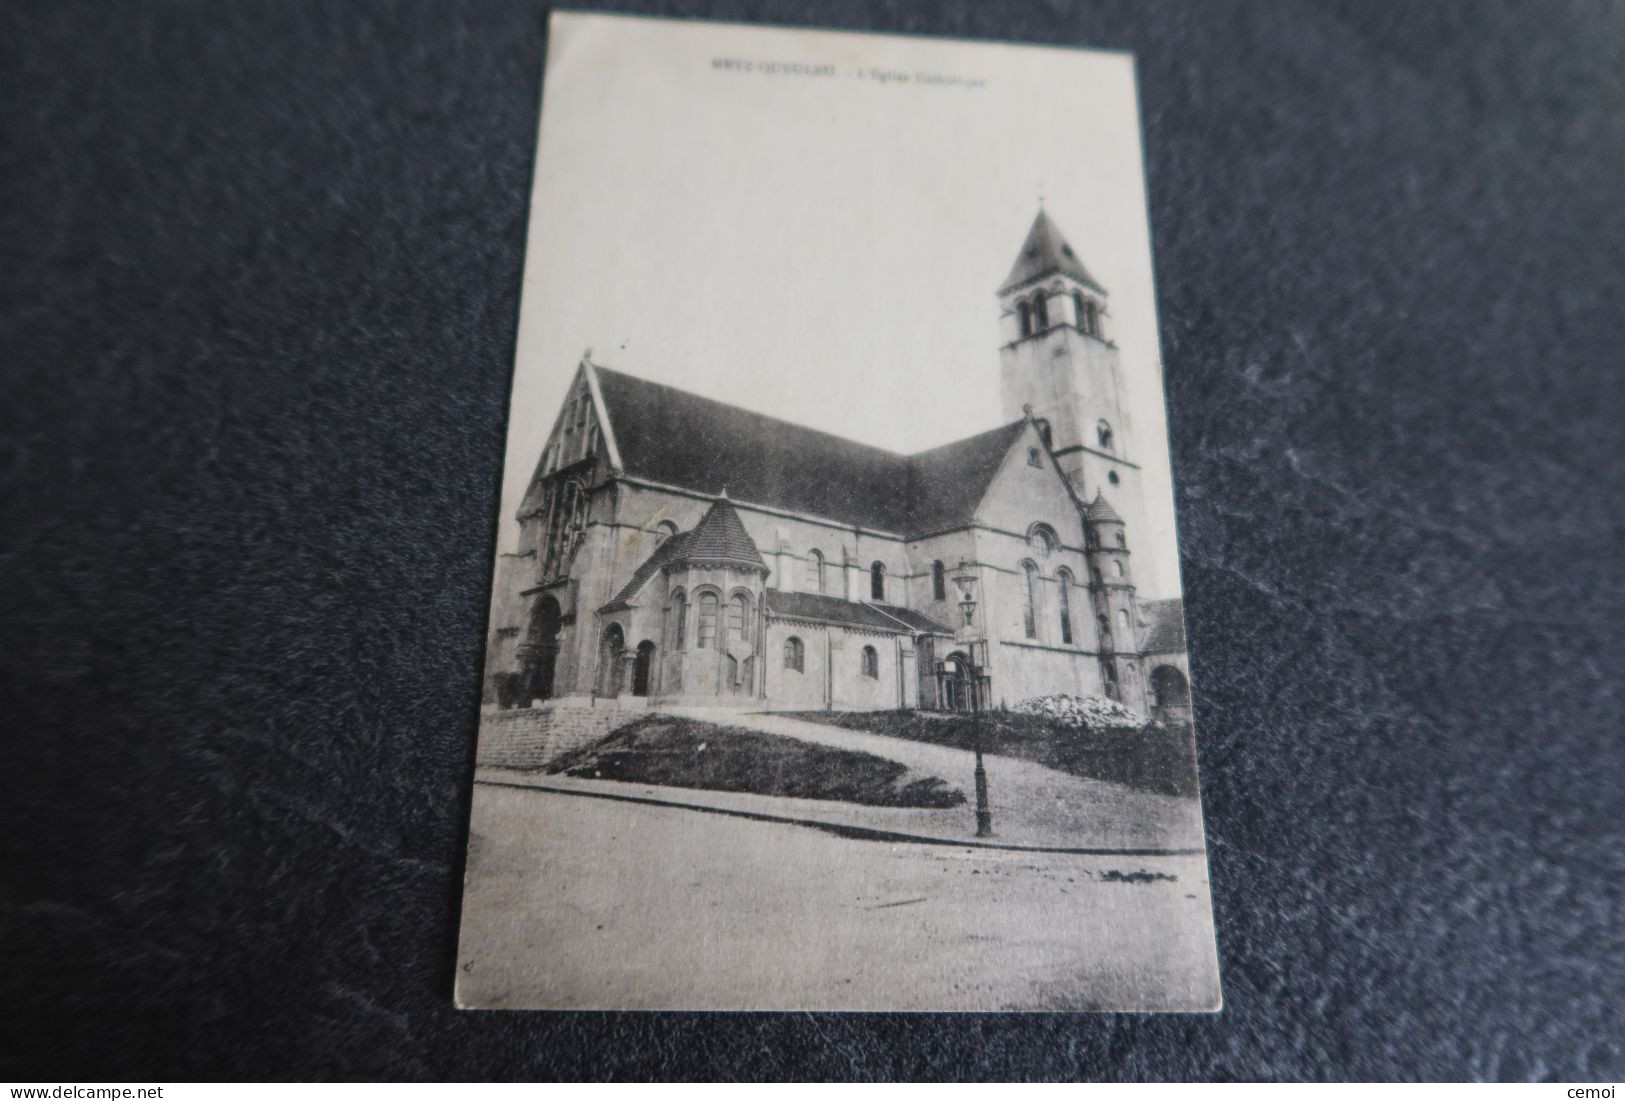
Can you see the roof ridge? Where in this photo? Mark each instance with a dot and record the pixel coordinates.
(849, 441)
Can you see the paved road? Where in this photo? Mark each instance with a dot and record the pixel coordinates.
(576, 902)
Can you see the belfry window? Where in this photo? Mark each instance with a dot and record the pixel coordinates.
(1079, 312)
(1040, 311)
(1024, 317)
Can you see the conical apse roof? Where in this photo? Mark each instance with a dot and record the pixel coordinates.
(1101, 511)
(720, 536)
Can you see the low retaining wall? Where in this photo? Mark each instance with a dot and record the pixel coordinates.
(531, 737)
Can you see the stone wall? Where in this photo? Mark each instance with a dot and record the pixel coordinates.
(533, 736)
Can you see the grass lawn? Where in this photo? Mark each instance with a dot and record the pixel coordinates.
(688, 753)
(1156, 761)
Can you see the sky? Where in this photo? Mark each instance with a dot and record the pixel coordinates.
(773, 219)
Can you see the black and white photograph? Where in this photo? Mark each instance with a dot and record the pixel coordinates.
(919, 542)
(837, 655)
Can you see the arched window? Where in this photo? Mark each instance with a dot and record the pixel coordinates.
(1111, 476)
(1063, 581)
(1104, 626)
(664, 531)
(1117, 567)
(1040, 311)
(1029, 620)
(871, 663)
(1122, 541)
(1078, 311)
(1024, 317)
(1035, 457)
(679, 606)
(1094, 576)
(708, 622)
(815, 572)
(1041, 538)
(1123, 625)
(1103, 433)
(939, 581)
(1108, 673)
(795, 654)
(1093, 312)
(739, 617)
(877, 581)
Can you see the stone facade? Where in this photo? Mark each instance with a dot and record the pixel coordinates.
(681, 550)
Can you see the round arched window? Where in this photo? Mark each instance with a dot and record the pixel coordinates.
(1041, 538)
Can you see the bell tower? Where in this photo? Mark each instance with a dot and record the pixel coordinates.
(1057, 355)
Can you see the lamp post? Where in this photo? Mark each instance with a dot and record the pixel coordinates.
(971, 635)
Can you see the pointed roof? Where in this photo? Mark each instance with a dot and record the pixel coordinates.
(720, 536)
(1046, 252)
(681, 439)
(1101, 511)
(1164, 622)
(947, 483)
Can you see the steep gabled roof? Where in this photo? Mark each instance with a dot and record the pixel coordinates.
(1046, 252)
(681, 439)
(948, 482)
(1164, 626)
(678, 438)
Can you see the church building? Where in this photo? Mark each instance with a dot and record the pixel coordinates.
(676, 550)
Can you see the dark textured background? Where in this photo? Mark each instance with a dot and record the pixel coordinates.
(260, 264)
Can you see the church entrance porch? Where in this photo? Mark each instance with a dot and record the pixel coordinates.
(957, 684)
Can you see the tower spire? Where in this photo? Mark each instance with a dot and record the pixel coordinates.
(1046, 251)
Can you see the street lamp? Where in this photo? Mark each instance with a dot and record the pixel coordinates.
(971, 635)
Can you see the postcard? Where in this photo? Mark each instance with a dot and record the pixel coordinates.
(837, 656)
